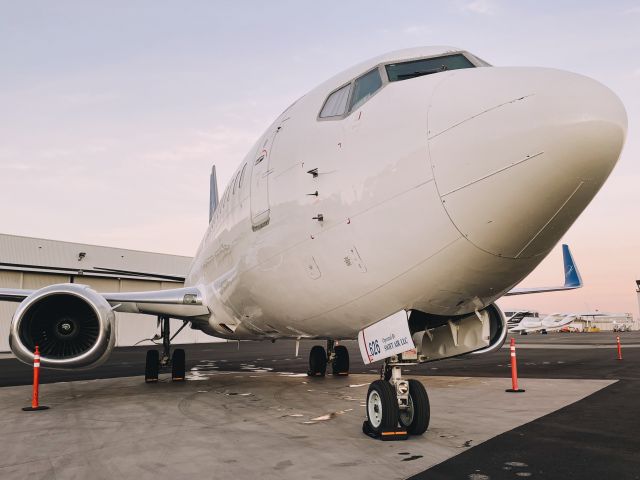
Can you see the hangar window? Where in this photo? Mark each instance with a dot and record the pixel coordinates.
(336, 103)
(364, 87)
(426, 66)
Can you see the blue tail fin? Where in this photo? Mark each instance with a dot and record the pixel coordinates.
(572, 276)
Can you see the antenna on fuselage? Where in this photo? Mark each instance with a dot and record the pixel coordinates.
(213, 192)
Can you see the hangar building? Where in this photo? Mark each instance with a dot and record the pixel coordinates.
(604, 322)
(32, 263)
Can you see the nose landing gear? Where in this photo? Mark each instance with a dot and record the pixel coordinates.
(396, 407)
(155, 362)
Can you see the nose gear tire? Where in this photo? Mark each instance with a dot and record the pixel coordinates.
(416, 420)
(382, 407)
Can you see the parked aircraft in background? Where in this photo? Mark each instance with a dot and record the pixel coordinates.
(551, 323)
(388, 196)
(515, 317)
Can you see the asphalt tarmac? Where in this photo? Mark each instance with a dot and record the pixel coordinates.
(581, 356)
(595, 437)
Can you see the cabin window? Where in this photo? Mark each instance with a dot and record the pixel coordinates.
(336, 103)
(242, 176)
(235, 182)
(225, 197)
(426, 66)
(364, 87)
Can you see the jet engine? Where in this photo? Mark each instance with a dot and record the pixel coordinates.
(72, 325)
(437, 337)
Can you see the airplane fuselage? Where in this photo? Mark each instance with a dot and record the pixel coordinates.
(417, 198)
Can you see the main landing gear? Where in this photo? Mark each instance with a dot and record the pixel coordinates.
(396, 407)
(337, 355)
(155, 362)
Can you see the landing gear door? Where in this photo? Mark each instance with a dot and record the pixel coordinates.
(390, 336)
(260, 190)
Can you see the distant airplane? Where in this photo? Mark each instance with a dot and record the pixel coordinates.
(550, 323)
(515, 318)
(387, 204)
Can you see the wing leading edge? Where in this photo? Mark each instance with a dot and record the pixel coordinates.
(572, 278)
(178, 302)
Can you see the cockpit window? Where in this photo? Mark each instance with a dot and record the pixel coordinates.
(364, 87)
(427, 66)
(336, 104)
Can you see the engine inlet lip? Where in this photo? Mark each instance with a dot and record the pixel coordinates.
(84, 293)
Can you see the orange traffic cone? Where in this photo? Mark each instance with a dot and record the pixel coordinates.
(514, 369)
(36, 383)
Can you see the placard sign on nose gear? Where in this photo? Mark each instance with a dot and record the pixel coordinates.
(389, 336)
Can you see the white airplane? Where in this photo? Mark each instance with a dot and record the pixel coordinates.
(516, 317)
(389, 198)
(550, 323)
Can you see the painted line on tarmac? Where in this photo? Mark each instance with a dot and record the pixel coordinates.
(573, 346)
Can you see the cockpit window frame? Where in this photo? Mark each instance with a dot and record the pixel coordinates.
(383, 79)
(398, 77)
(346, 105)
(356, 106)
(382, 70)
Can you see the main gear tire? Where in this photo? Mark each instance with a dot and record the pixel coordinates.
(341, 361)
(152, 366)
(317, 361)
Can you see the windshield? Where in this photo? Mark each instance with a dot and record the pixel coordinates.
(364, 87)
(427, 66)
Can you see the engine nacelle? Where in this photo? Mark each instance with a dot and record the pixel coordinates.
(437, 337)
(72, 325)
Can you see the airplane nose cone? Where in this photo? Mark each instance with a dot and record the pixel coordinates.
(518, 153)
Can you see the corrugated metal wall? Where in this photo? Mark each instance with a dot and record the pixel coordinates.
(54, 253)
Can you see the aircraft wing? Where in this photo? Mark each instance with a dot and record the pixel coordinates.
(14, 294)
(178, 303)
(572, 278)
(559, 323)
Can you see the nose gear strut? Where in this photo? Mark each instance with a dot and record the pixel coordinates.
(396, 407)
